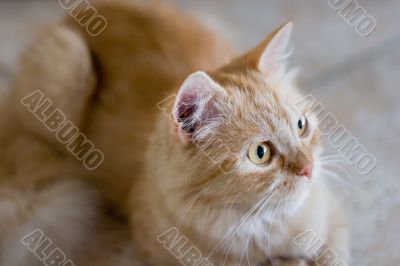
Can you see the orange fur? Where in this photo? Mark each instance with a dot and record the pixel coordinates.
(161, 170)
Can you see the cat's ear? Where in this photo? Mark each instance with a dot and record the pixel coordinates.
(270, 56)
(196, 105)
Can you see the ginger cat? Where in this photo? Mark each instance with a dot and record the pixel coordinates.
(212, 162)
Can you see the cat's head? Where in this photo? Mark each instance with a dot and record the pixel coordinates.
(243, 134)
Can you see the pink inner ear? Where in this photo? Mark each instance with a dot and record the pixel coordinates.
(186, 108)
(195, 106)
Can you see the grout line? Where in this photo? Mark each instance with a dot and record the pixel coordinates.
(344, 68)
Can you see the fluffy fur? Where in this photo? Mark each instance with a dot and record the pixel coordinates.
(251, 99)
(185, 165)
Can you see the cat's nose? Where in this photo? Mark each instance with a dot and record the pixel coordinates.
(307, 171)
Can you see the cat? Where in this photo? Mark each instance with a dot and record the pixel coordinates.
(209, 158)
(231, 174)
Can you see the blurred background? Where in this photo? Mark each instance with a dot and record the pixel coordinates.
(356, 78)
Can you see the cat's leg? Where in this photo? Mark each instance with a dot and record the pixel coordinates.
(113, 246)
(46, 224)
(290, 262)
(333, 248)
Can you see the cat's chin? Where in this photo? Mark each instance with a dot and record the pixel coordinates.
(295, 203)
(296, 199)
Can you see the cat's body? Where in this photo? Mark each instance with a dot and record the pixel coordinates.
(157, 170)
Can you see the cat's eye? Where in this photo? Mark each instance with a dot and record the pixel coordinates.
(259, 153)
(302, 126)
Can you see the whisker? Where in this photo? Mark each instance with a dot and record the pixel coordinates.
(186, 210)
(248, 235)
(334, 176)
(269, 232)
(237, 226)
(332, 157)
(335, 161)
(340, 167)
(264, 200)
(340, 171)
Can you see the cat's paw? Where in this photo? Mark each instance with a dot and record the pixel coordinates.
(290, 262)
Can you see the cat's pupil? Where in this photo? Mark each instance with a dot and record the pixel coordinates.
(260, 152)
(300, 124)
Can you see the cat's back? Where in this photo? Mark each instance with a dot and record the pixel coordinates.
(150, 47)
